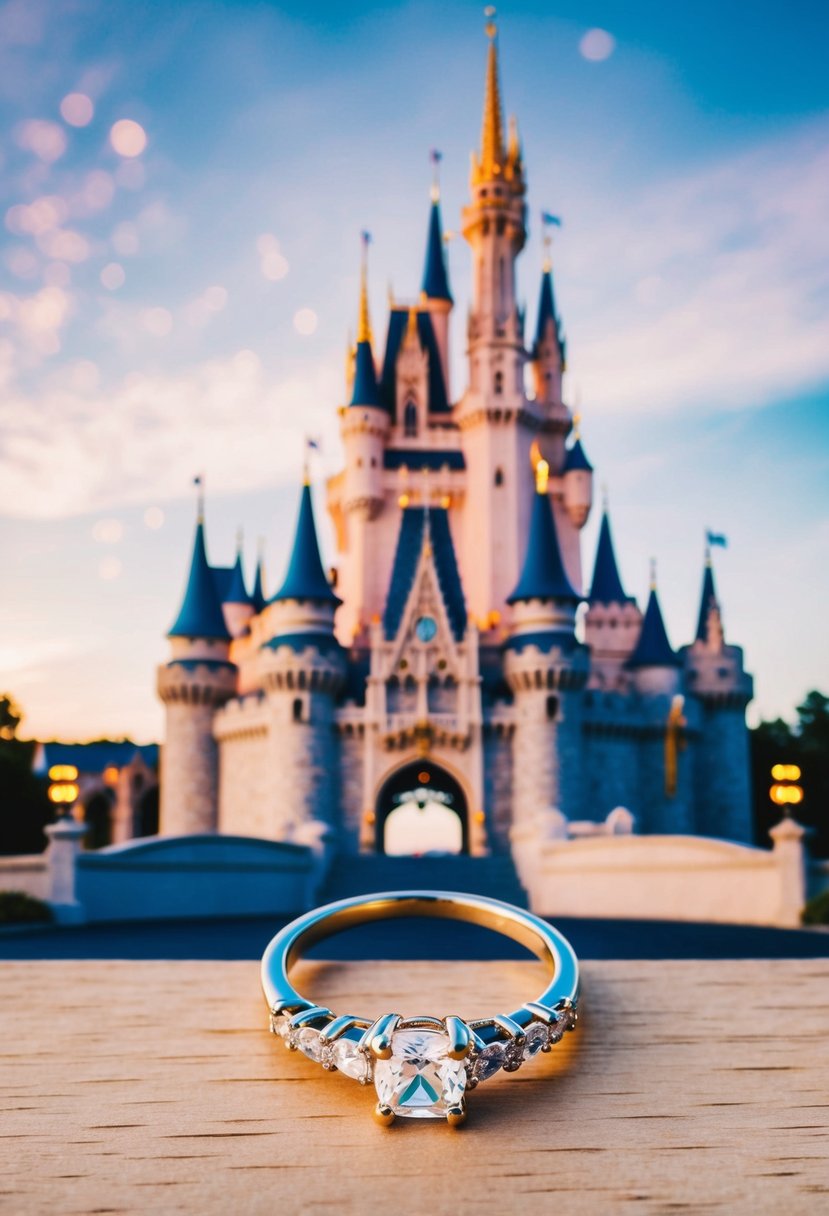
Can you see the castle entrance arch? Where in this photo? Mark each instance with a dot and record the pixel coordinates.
(421, 808)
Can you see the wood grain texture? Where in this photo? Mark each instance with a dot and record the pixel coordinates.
(155, 1087)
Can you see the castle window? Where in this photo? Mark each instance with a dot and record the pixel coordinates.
(498, 383)
(296, 709)
(499, 476)
(552, 707)
(410, 420)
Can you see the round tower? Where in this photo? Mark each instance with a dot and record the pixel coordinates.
(719, 684)
(198, 679)
(364, 426)
(664, 792)
(302, 670)
(238, 604)
(577, 476)
(546, 669)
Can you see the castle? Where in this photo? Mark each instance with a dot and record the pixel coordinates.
(444, 661)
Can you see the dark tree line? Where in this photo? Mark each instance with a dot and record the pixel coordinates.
(805, 744)
(25, 808)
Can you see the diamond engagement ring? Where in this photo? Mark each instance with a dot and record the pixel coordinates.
(421, 1067)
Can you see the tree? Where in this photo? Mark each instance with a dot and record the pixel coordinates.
(24, 805)
(807, 745)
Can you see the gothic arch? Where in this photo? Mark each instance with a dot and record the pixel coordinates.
(421, 776)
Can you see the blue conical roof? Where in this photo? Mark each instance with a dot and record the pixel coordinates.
(365, 390)
(258, 598)
(543, 576)
(306, 579)
(607, 585)
(653, 648)
(547, 311)
(708, 600)
(575, 458)
(435, 285)
(201, 613)
(237, 592)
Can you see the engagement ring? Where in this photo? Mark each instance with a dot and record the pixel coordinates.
(421, 1067)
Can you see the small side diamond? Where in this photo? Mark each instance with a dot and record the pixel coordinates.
(490, 1060)
(565, 1019)
(348, 1058)
(281, 1025)
(310, 1044)
(536, 1039)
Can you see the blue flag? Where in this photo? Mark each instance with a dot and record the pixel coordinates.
(716, 538)
(547, 218)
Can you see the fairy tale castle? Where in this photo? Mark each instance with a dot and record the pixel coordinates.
(444, 661)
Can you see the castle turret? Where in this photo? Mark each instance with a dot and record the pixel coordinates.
(548, 365)
(302, 670)
(259, 597)
(613, 622)
(498, 425)
(719, 684)
(663, 799)
(577, 476)
(365, 424)
(435, 296)
(546, 669)
(238, 604)
(198, 680)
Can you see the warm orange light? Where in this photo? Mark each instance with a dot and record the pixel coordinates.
(786, 772)
(111, 774)
(63, 772)
(783, 794)
(63, 792)
(480, 817)
(424, 777)
(403, 500)
(446, 501)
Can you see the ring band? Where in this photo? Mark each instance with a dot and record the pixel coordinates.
(421, 1067)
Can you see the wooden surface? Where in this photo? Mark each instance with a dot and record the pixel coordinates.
(155, 1087)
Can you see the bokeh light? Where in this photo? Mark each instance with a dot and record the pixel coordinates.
(64, 245)
(98, 190)
(128, 138)
(46, 140)
(107, 531)
(305, 321)
(125, 239)
(154, 518)
(113, 276)
(157, 321)
(77, 109)
(109, 569)
(597, 45)
(274, 264)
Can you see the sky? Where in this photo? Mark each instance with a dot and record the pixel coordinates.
(182, 189)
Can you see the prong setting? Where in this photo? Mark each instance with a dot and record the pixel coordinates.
(460, 1037)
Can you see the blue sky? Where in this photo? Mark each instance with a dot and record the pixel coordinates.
(187, 308)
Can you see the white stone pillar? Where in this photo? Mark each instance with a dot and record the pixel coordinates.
(789, 855)
(65, 843)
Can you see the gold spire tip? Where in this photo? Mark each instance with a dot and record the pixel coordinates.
(542, 476)
(363, 321)
(490, 28)
(653, 574)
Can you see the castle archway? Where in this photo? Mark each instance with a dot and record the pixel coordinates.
(421, 808)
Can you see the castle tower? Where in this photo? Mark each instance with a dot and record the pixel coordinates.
(364, 426)
(718, 683)
(302, 671)
(198, 680)
(613, 622)
(435, 296)
(546, 669)
(549, 361)
(663, 798)
(497, 429)
(577, 476)
(238, 604)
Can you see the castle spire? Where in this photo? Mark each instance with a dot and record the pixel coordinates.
(237, 592)
(708, 599)
(543, 576)
(607, 584)
(200, 615)
(492, 156)
(365, 390)
(259, 597)
(435, 284)
(653, 648)
(305, 578)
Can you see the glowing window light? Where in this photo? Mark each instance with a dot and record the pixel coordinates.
(786, 772)
(786, 794)
(64, 792)
(63, 772)
(111, 774)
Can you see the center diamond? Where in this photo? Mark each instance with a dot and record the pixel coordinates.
(420, 1081)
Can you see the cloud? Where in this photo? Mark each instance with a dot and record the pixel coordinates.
(708, 290)
(82, 451)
